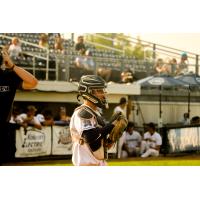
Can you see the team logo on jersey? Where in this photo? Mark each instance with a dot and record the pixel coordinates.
(4, 89)
(87, 123)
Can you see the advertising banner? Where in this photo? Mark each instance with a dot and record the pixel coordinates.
(32, 142)
(55, 140)
(62, 143)
(184, 139)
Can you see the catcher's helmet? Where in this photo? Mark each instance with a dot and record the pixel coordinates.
(87, 84)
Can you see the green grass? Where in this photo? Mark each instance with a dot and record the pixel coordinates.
(160, 161)
(157, 163)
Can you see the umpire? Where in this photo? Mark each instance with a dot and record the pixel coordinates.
(12, 78)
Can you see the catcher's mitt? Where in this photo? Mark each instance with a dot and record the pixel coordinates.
(118, 129)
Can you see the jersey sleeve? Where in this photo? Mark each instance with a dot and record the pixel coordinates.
(158, 140)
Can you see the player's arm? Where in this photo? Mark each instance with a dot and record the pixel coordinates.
(37, 123)
(158, 143)
(29, 81)
(93, 135)
(157, 147)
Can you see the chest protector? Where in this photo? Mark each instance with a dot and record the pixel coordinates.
(87, 113)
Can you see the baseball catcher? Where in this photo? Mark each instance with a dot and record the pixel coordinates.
(90, 134)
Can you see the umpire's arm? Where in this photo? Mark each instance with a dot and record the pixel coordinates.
(29, 81)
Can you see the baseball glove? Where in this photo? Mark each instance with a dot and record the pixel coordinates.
(116, 133)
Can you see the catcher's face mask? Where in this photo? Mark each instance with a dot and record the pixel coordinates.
(100, 94)
(92, 88)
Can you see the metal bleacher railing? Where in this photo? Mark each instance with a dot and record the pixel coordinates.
(49, 64)
(158, 50)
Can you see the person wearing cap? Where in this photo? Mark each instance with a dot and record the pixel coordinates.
(183, 64)
(151, 142)
(29, 118)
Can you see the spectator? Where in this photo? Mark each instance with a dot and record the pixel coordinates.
(40, 117)
(80, 44)
(161, 67)
(151, 142)
(127, 76)
(167, 67)
(63, 118)
(29, 118)
(46, 118)
(78, 70)
(174, 66)
(79, 61)
(121, 106)
(158, 65)
(14, 49)
(129, 143)
(195, 120)
(89, 63)
(63, 114)
(105, 73)
(85, 63)
(183, 64)
(186, 119)
(43, 42)
(58, 45)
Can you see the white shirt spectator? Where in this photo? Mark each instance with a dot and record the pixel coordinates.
(119, 109)
(40, 118)
(22, 117)
(14, 50)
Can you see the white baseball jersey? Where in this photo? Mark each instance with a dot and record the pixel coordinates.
(81, 153)
(23, 116)
(156, 139)
(119, 109)
(132, 140)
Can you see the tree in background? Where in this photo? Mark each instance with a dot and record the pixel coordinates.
(122, 42)
(139, 50)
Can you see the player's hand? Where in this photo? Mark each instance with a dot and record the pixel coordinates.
(7, 60)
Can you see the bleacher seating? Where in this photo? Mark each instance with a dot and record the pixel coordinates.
(35, 58)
